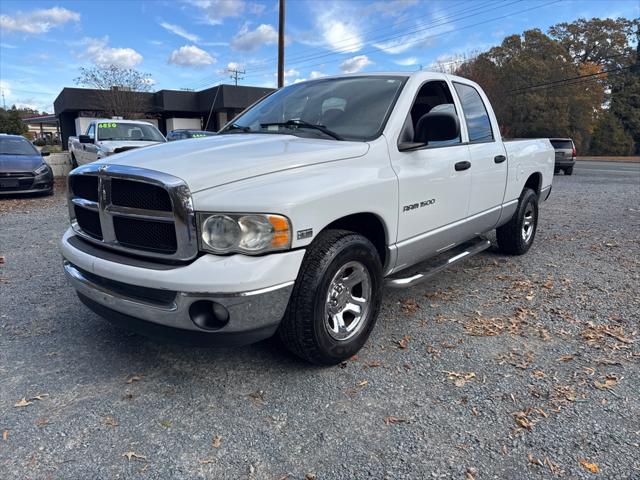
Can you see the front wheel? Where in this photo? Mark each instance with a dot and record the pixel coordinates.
(335, 301)
(516, 236)
(568, 170)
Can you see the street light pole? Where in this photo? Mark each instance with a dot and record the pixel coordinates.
(281, 45)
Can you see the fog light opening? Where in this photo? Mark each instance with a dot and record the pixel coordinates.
(208, 315)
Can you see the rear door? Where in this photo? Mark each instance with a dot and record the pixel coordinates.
(487, 155)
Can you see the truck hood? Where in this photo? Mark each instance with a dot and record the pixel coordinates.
(110, 146)
(19, 163)
(221, 159)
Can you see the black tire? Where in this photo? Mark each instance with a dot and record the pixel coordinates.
(305, 328)
(511, 236)
(568, 170)
(556, 171)
(74, 163)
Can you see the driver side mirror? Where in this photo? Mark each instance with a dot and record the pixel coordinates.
(436, 126)
(85, 139)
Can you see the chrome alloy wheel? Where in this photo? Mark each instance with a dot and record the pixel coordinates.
(348, 300)
(528, 223)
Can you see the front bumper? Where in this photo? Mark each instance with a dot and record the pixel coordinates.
(254, 290)
(29, 184)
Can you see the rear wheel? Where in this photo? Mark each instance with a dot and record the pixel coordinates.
(516, 236)
(335, 301)
(568, 170)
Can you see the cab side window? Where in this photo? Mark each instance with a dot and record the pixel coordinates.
(475, 113)
(432, 96)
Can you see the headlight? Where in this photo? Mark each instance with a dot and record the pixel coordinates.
(42, 169)
(243, 233)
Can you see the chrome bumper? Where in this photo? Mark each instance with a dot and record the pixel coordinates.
(255, 310)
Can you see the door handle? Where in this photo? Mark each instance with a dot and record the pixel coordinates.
(499, 158)
(462, 166)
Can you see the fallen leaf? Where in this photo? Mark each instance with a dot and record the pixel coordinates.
(390, 420)
(23, 403)
(2, 259)
(471, 473)
(548, 285)
(165, 423)
(566, 358)
(409, 306)
(135, 378)
(592, 467)
(373, 364)
(206, 461)
(257, 396)
(404, 341)
(110, 421)
(42, 422)
(607, 384)
(216, 442)
(460, 378)
(530, 297)
(363, 383)
(310, 476)
(533, 460)
(134, 456)
(5, 435)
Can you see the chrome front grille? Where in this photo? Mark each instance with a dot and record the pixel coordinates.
(135, 210)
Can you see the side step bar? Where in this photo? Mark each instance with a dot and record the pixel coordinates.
(462, 252)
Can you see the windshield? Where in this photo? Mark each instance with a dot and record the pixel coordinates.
(562, 144)
(16, 146)
(350, 108)
(128, 132)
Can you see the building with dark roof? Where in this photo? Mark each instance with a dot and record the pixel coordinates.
(170, 110)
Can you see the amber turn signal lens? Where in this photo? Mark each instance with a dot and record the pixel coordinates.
(281, 234)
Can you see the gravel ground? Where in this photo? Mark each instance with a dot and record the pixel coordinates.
(501, 367)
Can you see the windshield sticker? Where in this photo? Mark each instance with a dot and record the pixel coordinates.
(107, 125)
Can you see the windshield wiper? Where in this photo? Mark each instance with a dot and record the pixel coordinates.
(235, 126)
(296, 122)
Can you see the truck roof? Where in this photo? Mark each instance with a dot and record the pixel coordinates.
(101, 120)
(419, 73)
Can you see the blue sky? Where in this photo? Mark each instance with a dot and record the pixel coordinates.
(191, 43)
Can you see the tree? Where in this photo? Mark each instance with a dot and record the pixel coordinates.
(515, 76)
(10, 122)
(122, 91)
(608, 43)
(610, 137)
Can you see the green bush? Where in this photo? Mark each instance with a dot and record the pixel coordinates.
(39, 142)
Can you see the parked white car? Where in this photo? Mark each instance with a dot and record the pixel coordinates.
(296, 215)
(105, 137)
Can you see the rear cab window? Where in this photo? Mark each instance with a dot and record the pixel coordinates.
(562, 144)
(475, 113)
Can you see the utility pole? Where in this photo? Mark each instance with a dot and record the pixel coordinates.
(235, 74)
(281, 45)
(4, 105)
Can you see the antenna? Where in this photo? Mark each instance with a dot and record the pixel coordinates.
(235, 74)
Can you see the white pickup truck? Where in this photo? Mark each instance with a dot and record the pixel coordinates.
(107, 136)
(298, 213)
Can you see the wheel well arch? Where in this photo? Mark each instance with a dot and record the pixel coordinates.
(368, 225)
(534, 182)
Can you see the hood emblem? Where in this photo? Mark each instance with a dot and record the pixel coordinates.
(103, 168)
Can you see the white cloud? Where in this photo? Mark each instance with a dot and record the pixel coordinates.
(315, 74)
(98, 52)
(149, 81)
(407, 62)
(248, 40)
(181, 32)
(393, 8)
(257, 8)
(217, 10)
(355, 64)
(191, 56)
(38, 21)
(423, 37)
(339, 35)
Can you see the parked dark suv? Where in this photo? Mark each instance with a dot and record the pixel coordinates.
(22, 168)
(565, 154)
(186, 133)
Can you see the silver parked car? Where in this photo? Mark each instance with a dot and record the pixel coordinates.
(565, 154)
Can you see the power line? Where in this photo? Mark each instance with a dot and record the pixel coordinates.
(552, 83)
(455, 16)
(235, 74)
(449, 32)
